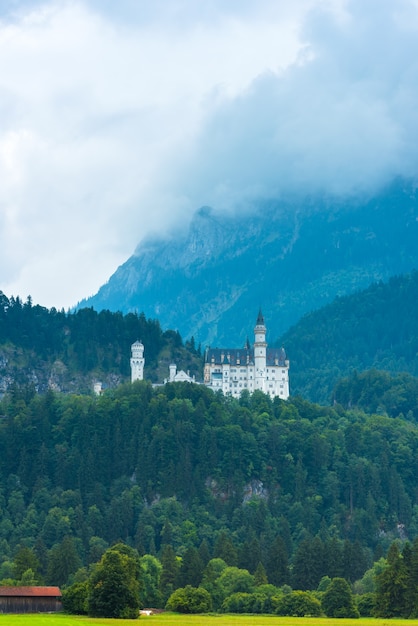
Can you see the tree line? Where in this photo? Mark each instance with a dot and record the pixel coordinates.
(123, 581)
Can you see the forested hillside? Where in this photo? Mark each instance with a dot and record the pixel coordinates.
(47, 348)
(305, 490)
(374, 391)
(372, 329)
(375, 328)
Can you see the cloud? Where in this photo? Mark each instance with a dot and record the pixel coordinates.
(96, 105)
(343, 118)
(120, 119)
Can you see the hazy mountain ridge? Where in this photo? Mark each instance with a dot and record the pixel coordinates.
(290, 257)
(175, 275)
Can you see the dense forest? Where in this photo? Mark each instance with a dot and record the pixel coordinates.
(244, 500)
(375, 328)
(68, 351)
(305, 490)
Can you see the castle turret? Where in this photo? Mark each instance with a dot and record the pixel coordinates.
(173, 372)
(137, 361)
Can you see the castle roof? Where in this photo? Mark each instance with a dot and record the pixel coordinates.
(243, 356)
(260, 319)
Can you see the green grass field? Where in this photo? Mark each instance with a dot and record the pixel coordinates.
(174, 619)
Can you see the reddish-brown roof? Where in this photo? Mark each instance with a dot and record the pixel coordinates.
(30, 591)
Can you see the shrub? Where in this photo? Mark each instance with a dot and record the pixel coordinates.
(365, 604)
(338, 600)
(74, 599)
(242, 602)
(299, 604)
(190, 600)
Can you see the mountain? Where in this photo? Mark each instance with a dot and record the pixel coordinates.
(289, 256)
(373, 328)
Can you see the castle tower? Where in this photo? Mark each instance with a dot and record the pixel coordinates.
(137, 361)
(173, 372)
(260, 352)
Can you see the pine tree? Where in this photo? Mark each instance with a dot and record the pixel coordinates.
(191, 568)
(24, 560)
(63, 560)
(277, 563)
(260, 576)
(392, 584)
(225, 549)
(204, 552)
(412, 584)
(170, 572)
(309, 566)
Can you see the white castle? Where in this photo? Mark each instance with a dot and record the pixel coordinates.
(233, 370)
(259, 367)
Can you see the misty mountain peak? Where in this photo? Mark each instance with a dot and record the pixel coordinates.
(290, 258)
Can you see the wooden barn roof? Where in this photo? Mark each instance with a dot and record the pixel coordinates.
(30, 592)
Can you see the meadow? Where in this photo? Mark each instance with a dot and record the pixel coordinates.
(175, 619)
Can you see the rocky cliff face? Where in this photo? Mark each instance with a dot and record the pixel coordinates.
(287, 256)
(25, 368)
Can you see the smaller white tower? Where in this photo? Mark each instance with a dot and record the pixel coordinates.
(173, 372)
(137, 361)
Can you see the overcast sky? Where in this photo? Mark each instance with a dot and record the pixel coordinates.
(120, 118)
